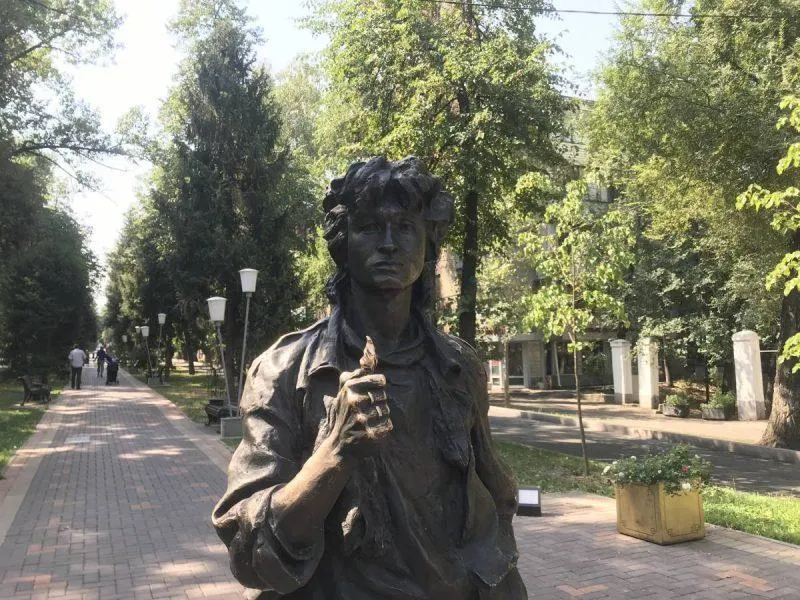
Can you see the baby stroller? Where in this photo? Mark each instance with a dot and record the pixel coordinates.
(111, 370)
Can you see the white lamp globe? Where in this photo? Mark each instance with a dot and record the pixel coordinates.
(216, 308)
(162, 318)
(145, 331)
(248, 278)
(124, 339)
(138, 329)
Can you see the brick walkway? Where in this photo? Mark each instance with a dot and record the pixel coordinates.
(119, 506)
(118, 488)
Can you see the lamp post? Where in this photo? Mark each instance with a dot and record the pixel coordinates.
(135, 342)
(124, 347)
(145, 329)
(216, 311)
(162, 318)
(248, 278)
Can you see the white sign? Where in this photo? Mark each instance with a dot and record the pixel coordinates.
(529, 496)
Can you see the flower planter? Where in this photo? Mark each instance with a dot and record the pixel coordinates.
(715, 414)
(675, 411)
(647, 512)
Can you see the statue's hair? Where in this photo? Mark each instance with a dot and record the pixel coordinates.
(369, 181)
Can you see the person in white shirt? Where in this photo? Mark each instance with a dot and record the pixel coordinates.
(77, 358)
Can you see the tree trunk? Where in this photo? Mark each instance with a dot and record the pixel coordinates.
(506, 394)
(667, 378)
(189, 351)
(580, 410)
(783, 427)
(556, 368)
(469, 280)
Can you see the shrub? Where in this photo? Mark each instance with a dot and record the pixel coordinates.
(677, 400)
(678, 469)
(722, 400)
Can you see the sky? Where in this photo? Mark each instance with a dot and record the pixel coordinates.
(142, 69)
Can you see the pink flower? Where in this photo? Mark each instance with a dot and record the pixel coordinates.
(684, 468)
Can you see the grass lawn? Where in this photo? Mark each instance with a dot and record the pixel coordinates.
(16, 423)
(775, 517)
(189, 392)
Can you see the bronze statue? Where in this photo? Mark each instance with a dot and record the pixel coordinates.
(366, 470)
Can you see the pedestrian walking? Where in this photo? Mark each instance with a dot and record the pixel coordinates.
(77, 358)
(100, 355)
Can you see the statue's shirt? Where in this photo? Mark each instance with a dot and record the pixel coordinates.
(428, 517)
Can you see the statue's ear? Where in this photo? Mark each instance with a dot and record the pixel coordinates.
(438, 216)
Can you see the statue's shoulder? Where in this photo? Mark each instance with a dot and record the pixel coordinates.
(288, 351)
(459, 350)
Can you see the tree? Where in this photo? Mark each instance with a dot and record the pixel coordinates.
(35, 37)
(46, 300)
(581, 258)
(783, 206)
(683, 123)
(502, 282)
(466, 87)
(224, 193)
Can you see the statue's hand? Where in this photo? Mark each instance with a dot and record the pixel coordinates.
(361, 418)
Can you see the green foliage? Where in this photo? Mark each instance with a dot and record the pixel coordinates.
(684, 122)
(16, 423)
(314, 268)
(225, 193)
(677, 400)
(783, 207)
(35, 38)
(469, 89)
(720, 399)
(580, 258)
(46, 275)
(678, 469)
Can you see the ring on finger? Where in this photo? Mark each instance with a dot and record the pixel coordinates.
(379, 410)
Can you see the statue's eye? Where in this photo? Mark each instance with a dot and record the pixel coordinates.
(406, 226)
(368, 227)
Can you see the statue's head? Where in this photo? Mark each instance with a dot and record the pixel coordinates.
(384, 224)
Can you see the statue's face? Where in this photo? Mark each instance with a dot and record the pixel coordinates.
(385, 245)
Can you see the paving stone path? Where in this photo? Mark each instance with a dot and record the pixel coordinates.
(111, 498)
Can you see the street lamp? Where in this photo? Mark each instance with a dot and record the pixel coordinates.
(248, 278)
(162, 318)
(216, 312)
(124, 348)
(145, 331)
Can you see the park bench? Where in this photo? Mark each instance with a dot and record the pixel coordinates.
(216, 410)
(34, 391)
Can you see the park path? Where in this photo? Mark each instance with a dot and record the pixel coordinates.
(119, 505)
(111, 498)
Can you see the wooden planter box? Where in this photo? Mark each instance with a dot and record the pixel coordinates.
(647, 512)
(715, 414)
(675, 411)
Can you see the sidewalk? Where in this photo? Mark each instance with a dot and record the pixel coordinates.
(111, 499)
(740, 437)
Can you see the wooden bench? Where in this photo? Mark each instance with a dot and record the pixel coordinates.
(34, 391)
(216, 410)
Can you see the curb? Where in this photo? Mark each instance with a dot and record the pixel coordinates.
(752, 450)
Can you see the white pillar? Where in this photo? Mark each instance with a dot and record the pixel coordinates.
(749, 386)
(623, 373)
(648, 372)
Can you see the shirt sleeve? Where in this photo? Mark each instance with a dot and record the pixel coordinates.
(269, 456)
